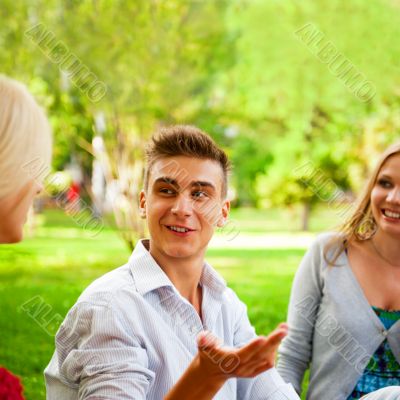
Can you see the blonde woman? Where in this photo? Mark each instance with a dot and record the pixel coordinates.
(25, 152)
(344, 311)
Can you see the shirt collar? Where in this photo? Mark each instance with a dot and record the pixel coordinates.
(148, 275)
(212, 279)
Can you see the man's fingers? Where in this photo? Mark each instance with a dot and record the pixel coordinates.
(252, 368)
(263, 347)
(276, 336)
(283, 325)
(251, 350)
(261, 368)
(206, 340)
(254, 358)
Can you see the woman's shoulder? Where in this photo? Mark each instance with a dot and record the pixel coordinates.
(326, 237)
(325, 251)
(327, 240)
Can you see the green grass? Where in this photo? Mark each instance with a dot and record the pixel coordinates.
(253, 221)
(261, 278)
(62, 259)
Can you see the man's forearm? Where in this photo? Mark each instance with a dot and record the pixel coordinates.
(196, 384)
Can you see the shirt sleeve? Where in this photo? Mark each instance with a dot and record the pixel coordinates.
(296, 349)
(99, 354)
(267, 386)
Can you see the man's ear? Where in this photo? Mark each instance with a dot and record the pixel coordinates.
(142, 204)
(224, 213)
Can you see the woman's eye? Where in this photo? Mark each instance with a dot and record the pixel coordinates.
(384, 183)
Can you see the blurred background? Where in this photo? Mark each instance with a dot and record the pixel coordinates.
(303, 96)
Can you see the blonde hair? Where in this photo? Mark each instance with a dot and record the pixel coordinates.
(25, 137)
(361, 225)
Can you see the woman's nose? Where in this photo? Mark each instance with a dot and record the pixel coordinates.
(394, 195)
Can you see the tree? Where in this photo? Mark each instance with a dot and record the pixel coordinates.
(286, 74)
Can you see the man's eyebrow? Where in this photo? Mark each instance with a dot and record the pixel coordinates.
(166, 179)
(174, 182)
(203, 184)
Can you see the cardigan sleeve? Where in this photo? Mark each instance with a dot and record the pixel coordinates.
(296, 349)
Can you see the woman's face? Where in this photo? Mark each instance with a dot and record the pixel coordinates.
(385, 197)
(14, 210)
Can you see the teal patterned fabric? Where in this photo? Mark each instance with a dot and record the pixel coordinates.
(383, 369)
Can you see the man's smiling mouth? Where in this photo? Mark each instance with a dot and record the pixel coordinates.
(179, 229)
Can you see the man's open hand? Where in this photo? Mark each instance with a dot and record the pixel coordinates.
(245, 362)
(214, 364)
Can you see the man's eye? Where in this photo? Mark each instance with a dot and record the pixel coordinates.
(199, 194)
(167, 191)
(384, 183)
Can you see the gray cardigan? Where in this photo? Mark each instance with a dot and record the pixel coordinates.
(332, 326)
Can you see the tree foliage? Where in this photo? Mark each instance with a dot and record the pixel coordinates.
(247, 67)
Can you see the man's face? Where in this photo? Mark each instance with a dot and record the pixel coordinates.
(183, 204)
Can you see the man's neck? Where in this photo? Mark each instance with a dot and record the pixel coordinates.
(184, 273)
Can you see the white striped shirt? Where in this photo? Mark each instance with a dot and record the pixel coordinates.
(131, 335)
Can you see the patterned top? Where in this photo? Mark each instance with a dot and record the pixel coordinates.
(383, 369)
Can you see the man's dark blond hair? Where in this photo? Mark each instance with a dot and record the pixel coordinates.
(189, 141)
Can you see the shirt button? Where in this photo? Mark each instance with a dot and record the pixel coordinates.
(384, 332)
(193, 329)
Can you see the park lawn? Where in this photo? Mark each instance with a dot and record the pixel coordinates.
(255, 221)
(53, 268)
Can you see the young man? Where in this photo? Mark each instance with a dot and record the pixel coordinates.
(138, 332)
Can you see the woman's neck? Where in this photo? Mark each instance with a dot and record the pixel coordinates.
(387, 247)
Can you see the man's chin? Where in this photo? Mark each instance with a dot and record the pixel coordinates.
(181, 250)
(180, 253)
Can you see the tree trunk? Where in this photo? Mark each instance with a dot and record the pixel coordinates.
(305, 217)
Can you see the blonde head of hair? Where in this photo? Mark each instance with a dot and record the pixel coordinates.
(361, 224)
(25, 137)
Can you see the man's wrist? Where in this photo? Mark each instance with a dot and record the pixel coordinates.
(197, 382)
(211, 380)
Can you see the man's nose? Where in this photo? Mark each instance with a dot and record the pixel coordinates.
(183, 206)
